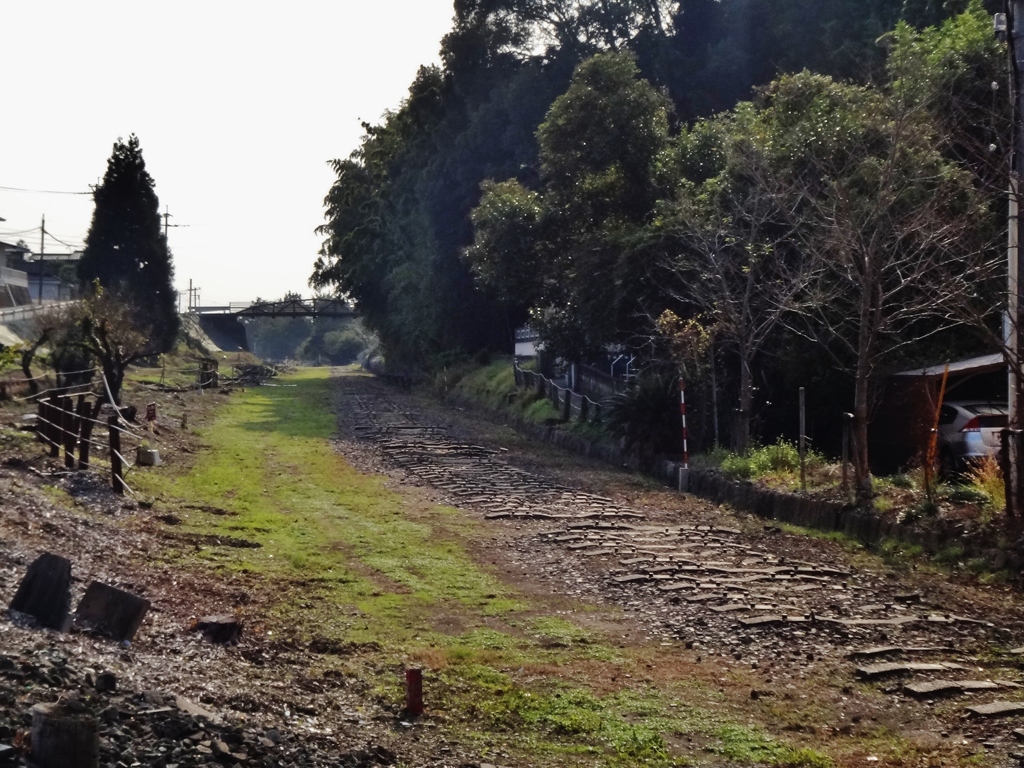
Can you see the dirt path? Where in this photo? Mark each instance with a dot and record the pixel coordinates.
(798, 618)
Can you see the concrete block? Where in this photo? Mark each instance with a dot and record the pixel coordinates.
(111, 612)
(45, 592)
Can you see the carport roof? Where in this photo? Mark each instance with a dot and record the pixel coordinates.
(981, 364)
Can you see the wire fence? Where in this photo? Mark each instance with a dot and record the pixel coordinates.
(83, 422)
(570, 405)
(77, 415)
(66, 424)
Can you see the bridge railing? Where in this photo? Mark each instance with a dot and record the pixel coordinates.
(10, 314)
(286, 308)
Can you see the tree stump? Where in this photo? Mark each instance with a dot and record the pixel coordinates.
(111, 612)
(222, 629)
(45, 592)
(62, 738)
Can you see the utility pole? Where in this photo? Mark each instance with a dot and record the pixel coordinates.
(42, 248)
(1012, 25)
(193, 297)
(167, 216)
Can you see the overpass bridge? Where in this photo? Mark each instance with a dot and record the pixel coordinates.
(286, 308)
(223, 323)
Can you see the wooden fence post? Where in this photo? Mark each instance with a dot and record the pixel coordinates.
(84, 431)
(54, 421)
(116, 468)
(584, 407)
(567, 413)
(69, 427)
(41, 425)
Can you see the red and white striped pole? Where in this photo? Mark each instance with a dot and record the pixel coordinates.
(685, 468)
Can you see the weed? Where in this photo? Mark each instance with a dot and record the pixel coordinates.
(494, 386)
(893, 551)
(805, 758)
(977, 565)
(923, 508)
(882, 504)
(969, 494)
(951, 555)
(737, 467)
(903, 481)
(712, 459)
(995, 577)
(986, 478)
(779, 461)
(843, 539)
(746, 745)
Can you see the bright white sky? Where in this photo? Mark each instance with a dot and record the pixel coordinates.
(237, 105)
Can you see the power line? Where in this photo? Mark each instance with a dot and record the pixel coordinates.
(41, 192)
(54, 237)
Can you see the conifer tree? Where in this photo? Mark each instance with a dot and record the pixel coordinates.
(125, 249)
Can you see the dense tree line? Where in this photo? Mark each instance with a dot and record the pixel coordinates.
(398, 216)
(592, 167)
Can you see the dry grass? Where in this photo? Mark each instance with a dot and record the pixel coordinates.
(987, 477)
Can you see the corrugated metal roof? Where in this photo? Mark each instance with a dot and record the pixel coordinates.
(973, 365)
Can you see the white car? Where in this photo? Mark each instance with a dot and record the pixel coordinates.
(969, 431)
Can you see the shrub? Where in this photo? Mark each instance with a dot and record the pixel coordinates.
(737, 467)
(903, 481)
(780, 458)
(646, 417)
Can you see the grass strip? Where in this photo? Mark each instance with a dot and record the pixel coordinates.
(378, 571)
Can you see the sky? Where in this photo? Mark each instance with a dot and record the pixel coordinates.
(238, 108)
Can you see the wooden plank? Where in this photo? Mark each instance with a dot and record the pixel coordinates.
(939, 687)
(631, 578)
(878, 670)
(997, 708)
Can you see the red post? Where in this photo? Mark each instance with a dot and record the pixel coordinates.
(684, 470)
(686, 434)
(414, 692)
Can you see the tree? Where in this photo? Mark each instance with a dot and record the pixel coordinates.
(728, 249)
(505, 254)
(570, 251)
(101, 330)
(125, 249)
(898, 231)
